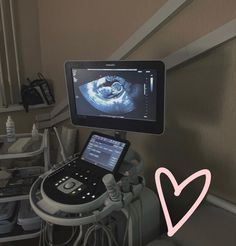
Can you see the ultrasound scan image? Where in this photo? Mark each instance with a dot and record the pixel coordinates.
(112, 94)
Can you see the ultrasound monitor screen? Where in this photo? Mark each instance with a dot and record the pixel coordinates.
(119, 95)
(103, 152)
(116, 93)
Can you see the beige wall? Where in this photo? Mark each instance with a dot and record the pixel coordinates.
(197, 19)
(80, 30)
(200, 122)
(200, 117)
(28, 37)
(200, 100)
(27, 25)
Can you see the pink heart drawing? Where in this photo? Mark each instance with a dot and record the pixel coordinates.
(178, 189)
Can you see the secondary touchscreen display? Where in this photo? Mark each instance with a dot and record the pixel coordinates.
(103, 152)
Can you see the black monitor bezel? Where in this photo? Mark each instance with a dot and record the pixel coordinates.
(122, 156)
(153, 127)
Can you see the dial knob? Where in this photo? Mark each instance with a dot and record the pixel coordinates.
(69, 185)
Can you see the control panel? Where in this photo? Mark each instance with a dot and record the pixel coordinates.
(80, 180)
(74, 183)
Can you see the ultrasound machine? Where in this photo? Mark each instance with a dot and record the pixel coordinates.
(100, 193)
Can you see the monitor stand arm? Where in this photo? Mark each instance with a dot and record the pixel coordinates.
(120, 134)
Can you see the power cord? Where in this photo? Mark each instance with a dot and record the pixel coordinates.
(79, 238)
(126, 227)
(105, 229)
(43, 239)
(140, 221)
(62, 151)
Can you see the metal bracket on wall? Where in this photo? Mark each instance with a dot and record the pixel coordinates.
(201, 45)
(160, 18)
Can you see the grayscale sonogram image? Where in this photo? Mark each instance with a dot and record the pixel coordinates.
(112, 94)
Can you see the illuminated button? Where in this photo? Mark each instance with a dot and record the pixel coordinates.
(66, 177)
(88, 193)
(79, 189)
(60, 181)
(73, 192)
(93, 196)
(83, 197)
(56, 184)
(81, 176)
(85, 178)
(63, 179)
(77, 174)
(69, 185)
(94, 183)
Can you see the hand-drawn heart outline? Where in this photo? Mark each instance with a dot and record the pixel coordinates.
(178, 189)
